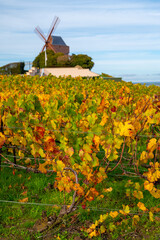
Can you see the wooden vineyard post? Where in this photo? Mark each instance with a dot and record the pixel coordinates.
(14, 152)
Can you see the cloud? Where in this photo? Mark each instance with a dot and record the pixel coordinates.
(116, 42)
(24, 15)
(119, 35)
(127, 66)
(76, 15)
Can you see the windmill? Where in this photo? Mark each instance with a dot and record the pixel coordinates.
(54, 43)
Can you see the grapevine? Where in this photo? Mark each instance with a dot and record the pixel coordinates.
(90, 127)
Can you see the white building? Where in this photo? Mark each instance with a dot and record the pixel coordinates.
(63, 72)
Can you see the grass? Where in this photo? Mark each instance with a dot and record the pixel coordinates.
(17, 220)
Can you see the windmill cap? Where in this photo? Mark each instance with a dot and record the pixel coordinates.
(57, 40)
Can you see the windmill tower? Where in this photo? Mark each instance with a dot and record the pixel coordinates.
(54, 43)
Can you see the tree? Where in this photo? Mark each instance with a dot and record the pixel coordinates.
(61, 60)
(39, 61)
(82, 60)
(13, 68)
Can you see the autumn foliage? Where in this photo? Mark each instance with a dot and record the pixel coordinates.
(64, 123)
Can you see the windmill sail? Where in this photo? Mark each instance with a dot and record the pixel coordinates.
(54, 43)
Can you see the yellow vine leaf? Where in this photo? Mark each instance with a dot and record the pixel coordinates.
(2, 139)
(129, 183)
(137, 186)
(87, 148)
(21, 154)
(157, 165)
(60, 186)
(126, 129)
(101, 175)
(101, 106)
(23, 200)
(135, 220)
(104, 119)
(155, 209)
(35, 149)
(53, 124)
(60, 165)
(89, 176)
(113, 156)
(92, 227)
(150, 113)
(127, 89)
(92, 118)
(138, 194)
(102, 229)
(108, 189)
(28, 161)
(153, 173)
(150, 176)
(151, 216)
(79, 189)
(113, 214)
(96, 140)
(96, 223)
(144, 157)
(87, 157)
(23, 141)
(152, 144)
(95, 160)
(108, 150)
(148, 186)
(150, 155)
(102, 218)
(70, 151)
(142, 206)
(118, 143)
(81, 153)
(125, 210)
(112, 227)
(42, 168)
(155, 193)
(128, 192)
(41, 153)
(93, 234)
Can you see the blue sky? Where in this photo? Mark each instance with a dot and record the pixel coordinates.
(122, 36)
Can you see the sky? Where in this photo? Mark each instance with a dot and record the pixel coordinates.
(121, 36)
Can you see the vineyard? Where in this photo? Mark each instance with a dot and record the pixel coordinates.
(91, 147)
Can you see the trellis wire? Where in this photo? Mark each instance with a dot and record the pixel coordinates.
(45, 159)
(80, 132)
(79, 206)
(111, 174)
(53, 130)
(17, 167)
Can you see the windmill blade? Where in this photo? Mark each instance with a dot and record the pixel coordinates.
(52, 47)
(49, 30)
(43, 48)
(53, 26)
(39, 32)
